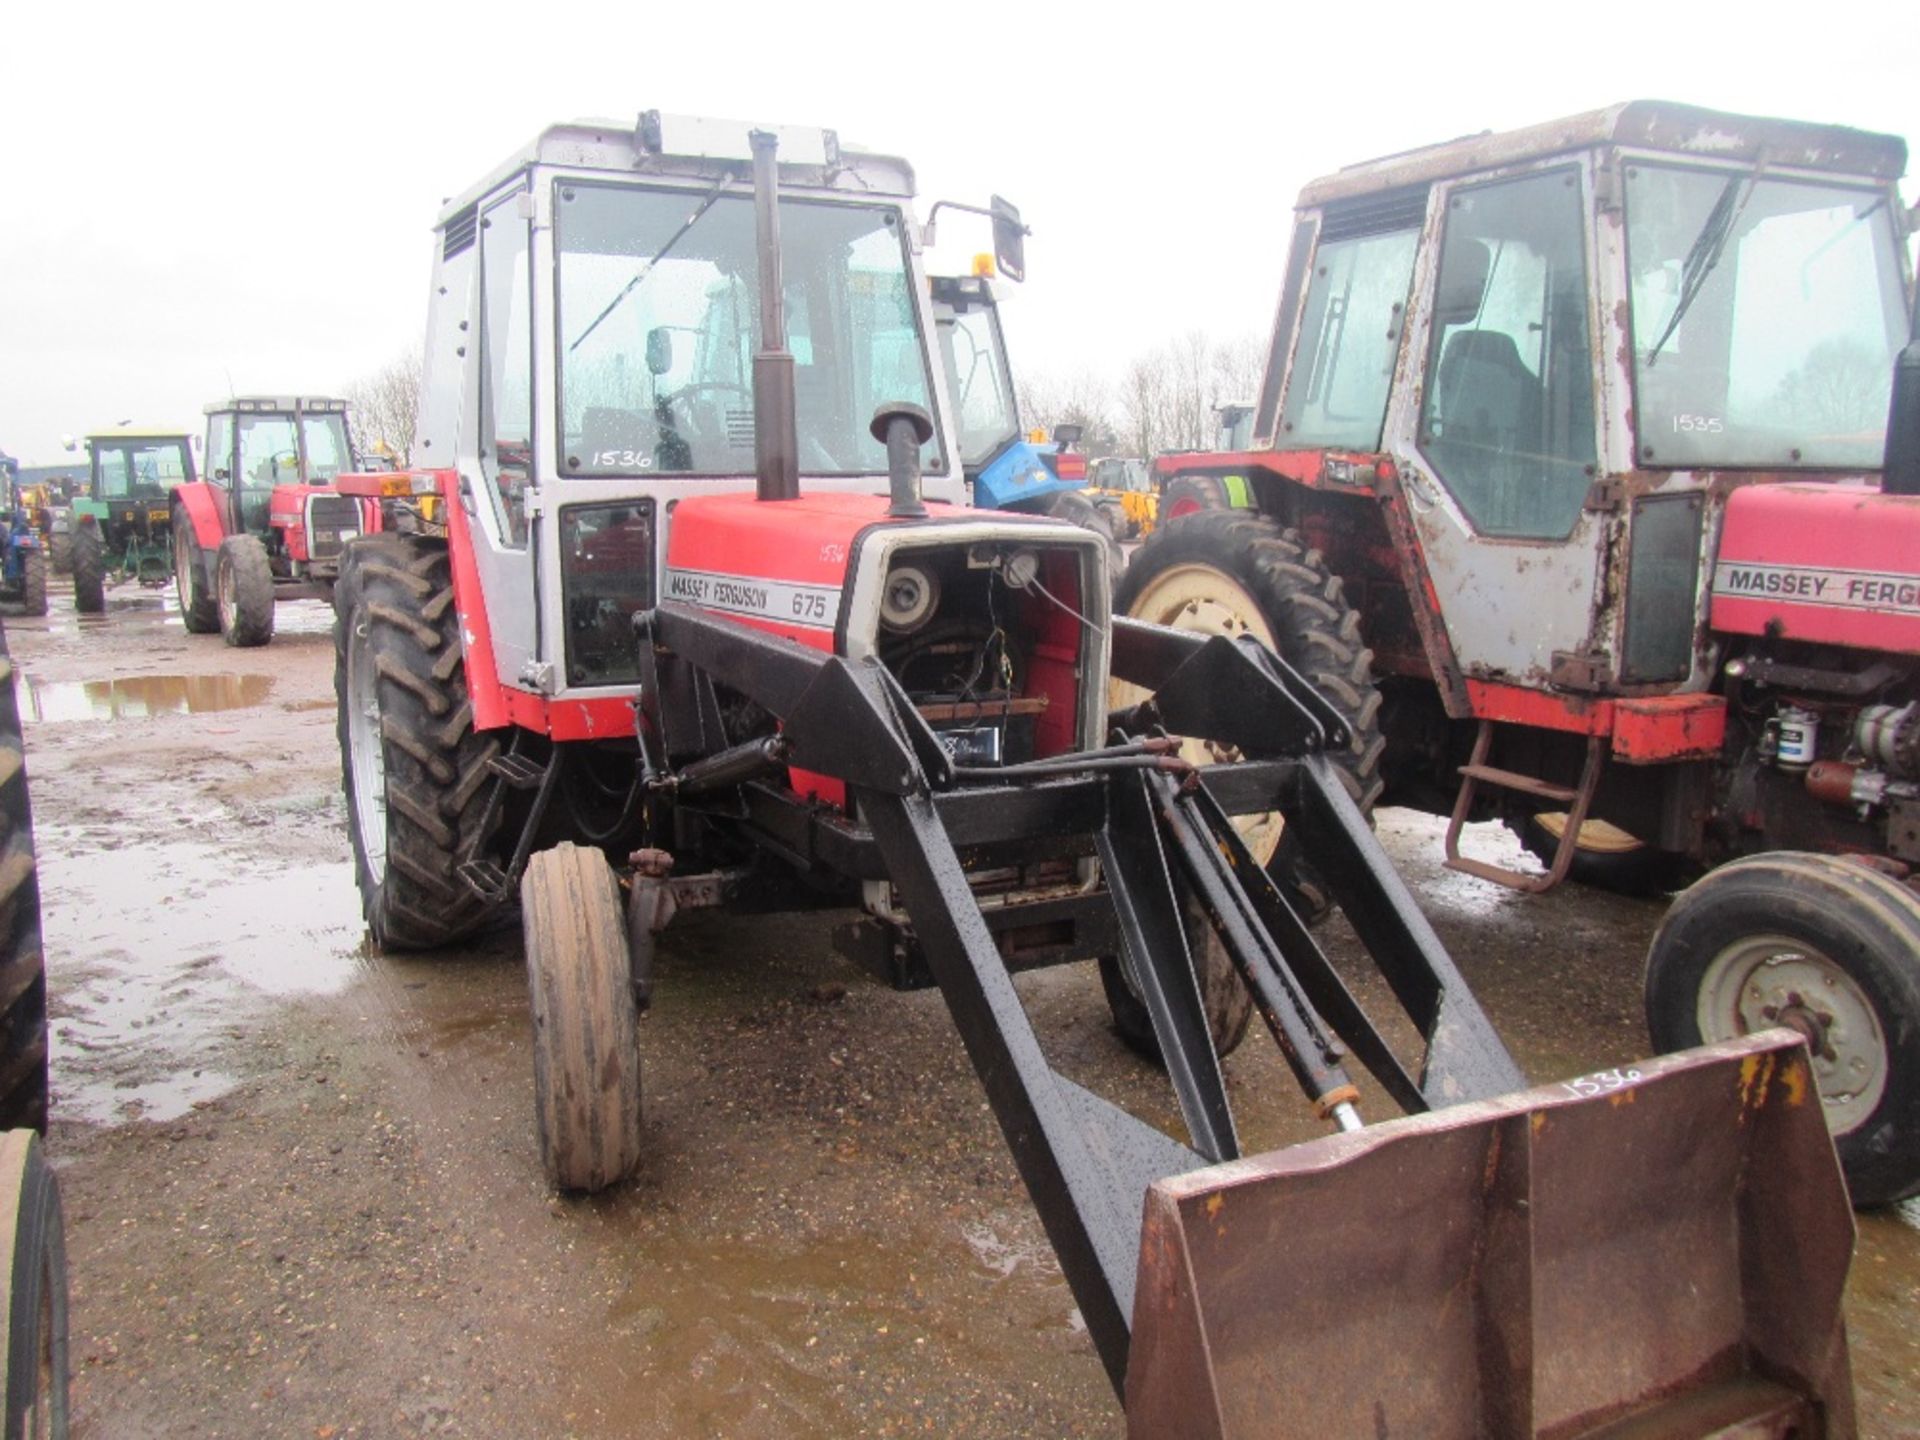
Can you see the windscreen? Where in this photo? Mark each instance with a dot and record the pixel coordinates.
(658, 319)
(1766, 317)
(982, 389)
(124, 468)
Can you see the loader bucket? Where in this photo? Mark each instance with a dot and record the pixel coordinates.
(1658, 1251)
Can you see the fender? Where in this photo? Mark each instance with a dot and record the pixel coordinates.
(1018, 478)
(196, 498)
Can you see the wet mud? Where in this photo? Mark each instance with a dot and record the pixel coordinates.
(302, 1185)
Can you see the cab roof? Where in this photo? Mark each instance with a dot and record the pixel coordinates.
(1684, 130)
(695, 148)
(136, 432)
(271, 404)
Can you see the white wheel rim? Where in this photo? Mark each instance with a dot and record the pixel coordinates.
(1762, 981)
(366, 755)
(229, 596)
(182, 566)
(1206, 601)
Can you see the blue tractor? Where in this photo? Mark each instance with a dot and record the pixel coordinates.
(23, 562)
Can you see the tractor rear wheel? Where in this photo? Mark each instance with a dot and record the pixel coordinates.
(197, 609)
(33, 582)
(23, 977)
(1822, 946)
(1074, 508)
(1605, 856)
(89, 569)
(415, 771)
(243, 590)
(586, 1038)
(33, 1247)
(1191, 494)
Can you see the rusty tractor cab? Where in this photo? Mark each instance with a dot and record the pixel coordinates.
(268, 523)
(706, 624)
(1567, 486)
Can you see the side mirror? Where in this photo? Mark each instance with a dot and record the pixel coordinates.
(1009, 239)
(1068, 436)
(67, 442)
(194, 440)
(659, 350)
(222, 474)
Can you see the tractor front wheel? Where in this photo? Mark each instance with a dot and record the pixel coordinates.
(586, 1038)
(33, 1247)
(23, 969)
(415, 771)
(33, 582)
(89, 568)
(197, 609)
(243, 586)
(1822, 946)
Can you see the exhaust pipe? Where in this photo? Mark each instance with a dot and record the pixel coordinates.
(1902, 473)
(776, 436)
(903, 428)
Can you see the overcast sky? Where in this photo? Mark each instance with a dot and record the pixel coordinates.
(208, 198)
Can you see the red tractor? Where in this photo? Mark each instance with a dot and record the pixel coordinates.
(627, 666)
(1569, 491)
(268, 522)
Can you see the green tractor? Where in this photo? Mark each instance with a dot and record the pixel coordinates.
(122, 527)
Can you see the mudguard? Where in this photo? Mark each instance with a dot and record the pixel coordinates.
(197, 499)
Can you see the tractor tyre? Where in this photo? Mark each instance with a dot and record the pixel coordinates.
(243, 591)
(23, 976)
(60, 551)
(1191, 495)
(198, 612)
(1822, 946)
(33, 1247)
(1224, 996)
(1605, 856)
(89, 569)
(1230, 573)
(1074, 508)
(33, 582)
(414, 769)
(1115, 514)
(586, 1038)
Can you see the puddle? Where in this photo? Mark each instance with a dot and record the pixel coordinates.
(139, 696)
(169, 950)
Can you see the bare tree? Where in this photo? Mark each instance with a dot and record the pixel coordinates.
(1081, 399)
(385, 411)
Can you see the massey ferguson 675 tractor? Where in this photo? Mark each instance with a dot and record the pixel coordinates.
(267, 523)
(1569, 494)
(645, 665)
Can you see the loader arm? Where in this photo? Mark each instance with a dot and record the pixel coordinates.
(1164, 836)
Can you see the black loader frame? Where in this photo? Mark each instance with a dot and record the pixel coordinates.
(1163, 833)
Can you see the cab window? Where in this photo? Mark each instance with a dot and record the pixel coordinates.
(1507, 413)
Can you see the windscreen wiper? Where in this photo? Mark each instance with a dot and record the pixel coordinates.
(1708, 246)
(706, 204)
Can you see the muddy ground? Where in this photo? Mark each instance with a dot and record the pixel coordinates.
(302, 1192)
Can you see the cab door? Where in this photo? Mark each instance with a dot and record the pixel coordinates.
(1499, 442)
(220, 466)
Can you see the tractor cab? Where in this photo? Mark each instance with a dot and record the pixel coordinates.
(256, 445)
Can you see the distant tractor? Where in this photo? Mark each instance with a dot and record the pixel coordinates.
(1124, 491)
(267, 523)
(119, 527)
(23, 561)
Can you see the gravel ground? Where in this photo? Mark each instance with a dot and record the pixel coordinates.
(302, 1191)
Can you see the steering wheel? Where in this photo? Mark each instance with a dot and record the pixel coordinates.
(702, 387)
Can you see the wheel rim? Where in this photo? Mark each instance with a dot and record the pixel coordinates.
(229, 591)
(1764, 981)
(182, 566)
(1206, 601)
(1596, 837)
(366, 756)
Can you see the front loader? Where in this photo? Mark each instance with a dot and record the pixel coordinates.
(1574, 485)
(642, 668)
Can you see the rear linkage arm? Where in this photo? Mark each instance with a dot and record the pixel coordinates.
(1167, 843)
